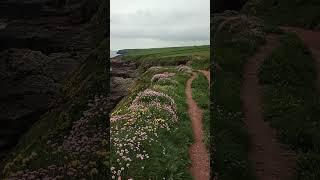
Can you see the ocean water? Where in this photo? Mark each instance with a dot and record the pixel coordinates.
(113, 54)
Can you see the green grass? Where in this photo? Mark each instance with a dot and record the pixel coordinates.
(167, 56)
(200, 63)
(89, 80)
(168, 150)
(230, 138)
(288, 79)
(175, 142)
(292, 103)
(286, 12)
(165, 52)
(201, 94)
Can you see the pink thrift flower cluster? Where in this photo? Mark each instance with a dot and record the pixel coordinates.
(128, 140)
(161, 76)
(129, 149)
(84, 138)
(52, 172)
(115, 118)
(169, 107)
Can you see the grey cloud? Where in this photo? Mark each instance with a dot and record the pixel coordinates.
(186, 22)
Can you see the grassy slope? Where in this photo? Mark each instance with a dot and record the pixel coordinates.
(292, 102)
(89, 80)
(167, 56)
(230, 138)
(231, 141)
(174, 142)
(288, 76)
(286, 12)
(200, 63)
(200, 93)
(167, 52)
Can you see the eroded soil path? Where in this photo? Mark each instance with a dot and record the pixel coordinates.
(200, 167)
(312, 40)
(270, 159)
(206, 74)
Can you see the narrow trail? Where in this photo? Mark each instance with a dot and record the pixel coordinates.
(200, 167)
(269, 158)
(312, 40)
(206, 74)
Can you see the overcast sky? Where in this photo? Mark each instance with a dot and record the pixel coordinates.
(159, 23)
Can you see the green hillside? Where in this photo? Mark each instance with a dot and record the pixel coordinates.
(151, 126)
(71, 141)
(45, 145)
(287, 79)
(166, 56)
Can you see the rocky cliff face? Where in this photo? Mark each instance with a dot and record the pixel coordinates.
(42, 43)
(122, 76)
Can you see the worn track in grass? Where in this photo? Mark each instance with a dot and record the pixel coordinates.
(200, 167)
(269, 158)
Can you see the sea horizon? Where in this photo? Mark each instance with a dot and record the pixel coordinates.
(113, 53)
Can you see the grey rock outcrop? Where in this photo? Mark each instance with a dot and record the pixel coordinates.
(123, 75)
(30, 84)
(42, 42)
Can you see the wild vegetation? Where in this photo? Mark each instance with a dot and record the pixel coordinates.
(151, 130)
(200, 93)
(166, 56)
(231, 50)
(290, 97)
(72, 141)
(288, 77)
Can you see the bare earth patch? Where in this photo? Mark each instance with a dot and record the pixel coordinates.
(200, 167)
(270, 159)
(206, 74)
